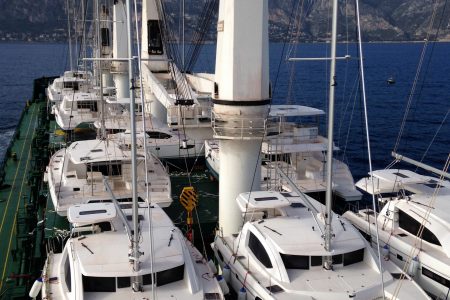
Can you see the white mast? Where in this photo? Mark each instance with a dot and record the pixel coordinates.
(153, 53)
(120, 50)
(98, 66)
(328, 196)
(152, 45)
(240, 101)
(106, 49)
(136, 280)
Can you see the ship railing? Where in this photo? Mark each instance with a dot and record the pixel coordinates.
(236, 127)
(195, 115)
(298, 131)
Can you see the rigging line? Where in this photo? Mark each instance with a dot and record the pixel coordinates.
(416, 78)
(196, 158)
(347, 138)
(427, 67)
(295, 27)
(146, 156)
(266, 117)
(346, 75)
(182, 89)
(82, 45)
(363, 90)
(201, 234)
(434, 137)
(209, 10)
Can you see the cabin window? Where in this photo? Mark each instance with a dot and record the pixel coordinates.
(366, 235)
(396, 194)
(273, 289)
(155, 45)
(337, 259)
(297, 205)
(265, 199)
(104, 226)
(169, 276)
(67, 275)
(353, 257)
(430, 274)
(295, 261)
(258, 250)
(92, 212)
(100, 201)
(123, 282)
(158, 135)
(105, 37)
(433, 184)
(401, 175)
(165, 277)
(409, 224)
(99, 284)
(130, 218)
(316, 261)
(106, 170)
(71, 85)
(91, 105)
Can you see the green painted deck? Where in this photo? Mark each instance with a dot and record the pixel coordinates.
(14, 195)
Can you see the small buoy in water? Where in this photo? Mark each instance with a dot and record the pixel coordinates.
(226, 273)
(36, 288)
(242, 294)
(413, 267)
(391, 80)
(223, 285)
(212, 266)
(385, 252)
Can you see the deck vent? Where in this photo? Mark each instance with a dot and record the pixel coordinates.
(401, 175)
(212, 296)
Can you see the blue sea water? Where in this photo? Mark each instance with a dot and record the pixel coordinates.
(21, 63)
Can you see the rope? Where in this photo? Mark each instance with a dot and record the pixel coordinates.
(205, 20)
(434, 137)
(416, 77)
(363, 90)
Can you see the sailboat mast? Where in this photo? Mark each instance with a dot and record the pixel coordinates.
(136, 282)
(98, 65)
(83, 41)
(69, 36)
(329, 191)
(183, 40)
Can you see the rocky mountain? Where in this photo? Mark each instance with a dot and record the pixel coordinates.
(382, 20)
